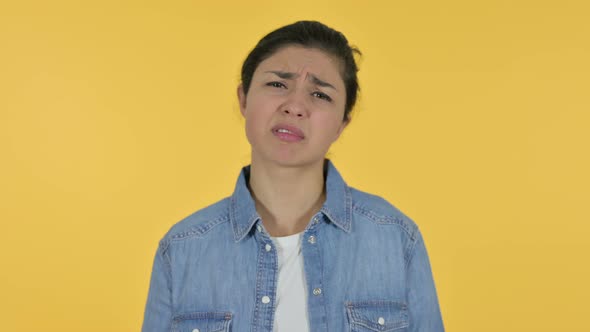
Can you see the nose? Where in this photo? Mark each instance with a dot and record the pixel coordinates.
(295, 105)
(295, 112)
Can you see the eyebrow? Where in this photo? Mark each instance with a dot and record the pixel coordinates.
(289, 76)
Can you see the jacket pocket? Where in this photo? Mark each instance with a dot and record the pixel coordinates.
(364, 316)
(202, 322)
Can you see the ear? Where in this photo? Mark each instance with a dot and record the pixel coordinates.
(242, 99)
(343, 125)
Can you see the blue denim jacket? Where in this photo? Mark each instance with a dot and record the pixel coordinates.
(365, 263)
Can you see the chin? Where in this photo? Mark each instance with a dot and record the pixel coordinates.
(290, 159)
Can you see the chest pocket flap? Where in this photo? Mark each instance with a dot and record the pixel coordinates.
(367, 316)
(202, 322)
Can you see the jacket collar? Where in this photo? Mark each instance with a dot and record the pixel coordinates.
(337, 207)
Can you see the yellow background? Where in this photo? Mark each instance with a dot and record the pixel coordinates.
(119, 118)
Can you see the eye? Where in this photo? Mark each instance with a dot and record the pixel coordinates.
(276, 84)
(322, 95)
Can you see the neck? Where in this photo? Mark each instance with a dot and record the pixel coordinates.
(286, 198)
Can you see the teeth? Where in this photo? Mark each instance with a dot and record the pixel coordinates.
(284, 131)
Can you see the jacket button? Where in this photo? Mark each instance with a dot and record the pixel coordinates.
(317, 291)
(381, 321)
(267, 247)
(265, 299)
(196, 330)
(311, 239)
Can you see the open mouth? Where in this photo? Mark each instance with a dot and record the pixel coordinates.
(288, 133)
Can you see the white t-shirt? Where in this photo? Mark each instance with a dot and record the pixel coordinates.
(291, 302)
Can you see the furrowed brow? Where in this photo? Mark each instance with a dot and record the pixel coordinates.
(321, 83)
(289, 76)
(283, 74)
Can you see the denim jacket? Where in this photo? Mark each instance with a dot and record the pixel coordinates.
(366, 268)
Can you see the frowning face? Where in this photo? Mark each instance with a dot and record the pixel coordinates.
(294, 107)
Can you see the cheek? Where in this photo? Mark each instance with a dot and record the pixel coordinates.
(255, 116)
(329, 126)
(257, 105)
(252, 124)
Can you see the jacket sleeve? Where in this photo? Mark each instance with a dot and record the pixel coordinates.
(158, 309)
(424, 311)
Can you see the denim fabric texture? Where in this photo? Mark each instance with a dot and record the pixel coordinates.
(366, 268)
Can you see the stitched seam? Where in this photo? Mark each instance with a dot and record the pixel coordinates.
(233, 215)
(258, 287)
(384, 220)
(322, 264)
(164, 245)
(359, 320)
(226, 317)
(348, 216)
(199, 230)
(409, 254)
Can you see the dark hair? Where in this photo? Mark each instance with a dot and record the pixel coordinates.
(310, 34)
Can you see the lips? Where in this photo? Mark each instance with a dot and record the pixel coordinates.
(288, 133)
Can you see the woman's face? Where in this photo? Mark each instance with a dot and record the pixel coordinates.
(294, 107)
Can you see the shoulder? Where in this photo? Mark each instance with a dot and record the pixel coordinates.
(198, 223)
(380, 211)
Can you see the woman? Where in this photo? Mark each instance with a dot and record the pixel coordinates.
(294, 248)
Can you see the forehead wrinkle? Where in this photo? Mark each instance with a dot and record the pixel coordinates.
(283, 74)
(318, 81)
(308, 76)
